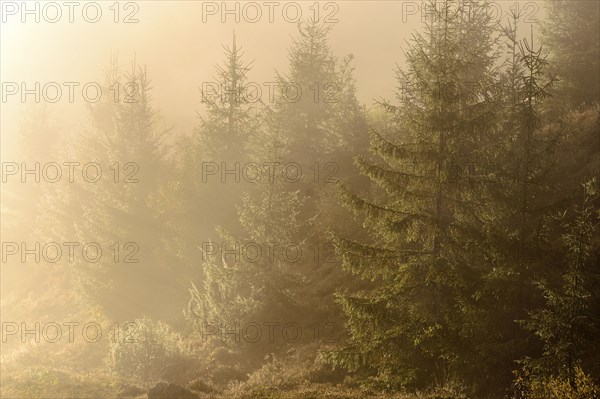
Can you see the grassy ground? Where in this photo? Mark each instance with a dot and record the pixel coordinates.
(54, 384)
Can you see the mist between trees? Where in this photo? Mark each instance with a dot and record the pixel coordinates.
(442, 243)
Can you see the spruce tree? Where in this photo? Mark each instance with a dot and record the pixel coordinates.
(317, 111)
(571, 31)
(567, 324)
(415, 326)
(120, 210)
(514, 176)
(203, 201)
(249, 277)
(229, 107)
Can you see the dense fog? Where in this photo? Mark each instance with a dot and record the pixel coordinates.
(332, 199)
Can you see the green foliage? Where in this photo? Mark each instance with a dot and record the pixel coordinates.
(567, 325)
(121, 210)
(238, 288)
(42, 382)
(414, 326)
(571, 32)
(231, 116)
(199, 203)
(154, 353)
(528, 386)
(465, 244)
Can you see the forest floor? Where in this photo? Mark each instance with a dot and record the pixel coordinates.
(53, 384)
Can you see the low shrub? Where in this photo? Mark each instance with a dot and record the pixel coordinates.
(155, 354)
(527, 386)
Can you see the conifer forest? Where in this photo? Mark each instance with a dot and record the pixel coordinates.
(300, 199)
